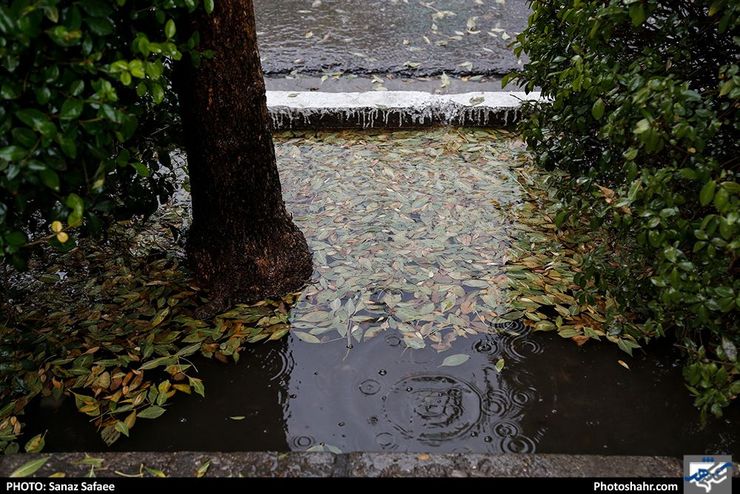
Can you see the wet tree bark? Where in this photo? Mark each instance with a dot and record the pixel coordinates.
(243, 244)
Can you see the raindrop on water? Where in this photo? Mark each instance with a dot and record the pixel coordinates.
(369, 387)
(384, 439)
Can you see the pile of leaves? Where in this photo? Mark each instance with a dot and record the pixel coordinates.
(640, 101)
(112, 325)
(546, 286)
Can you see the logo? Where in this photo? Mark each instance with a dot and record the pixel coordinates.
(707, 474)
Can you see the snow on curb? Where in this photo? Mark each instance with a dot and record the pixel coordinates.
(387, 109)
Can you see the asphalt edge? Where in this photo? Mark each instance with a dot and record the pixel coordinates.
(302, 464)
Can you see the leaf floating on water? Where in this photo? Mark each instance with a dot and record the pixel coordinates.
(307, 337)
(500, 365)
(544, 326)
(317, 316)
(333, 449)
(455, 360)
(151, 412)
(35, 444)
(623, 364)
(580, 340)
(30, 467)
(513, 316)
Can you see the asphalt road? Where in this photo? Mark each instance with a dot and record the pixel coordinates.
(409, 38)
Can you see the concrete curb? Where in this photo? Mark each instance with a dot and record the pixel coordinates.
(393, 109)
(299, 464)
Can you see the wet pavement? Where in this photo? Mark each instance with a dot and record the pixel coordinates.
(409, 38)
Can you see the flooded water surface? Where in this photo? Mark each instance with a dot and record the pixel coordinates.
(389, 36)
(401, 341)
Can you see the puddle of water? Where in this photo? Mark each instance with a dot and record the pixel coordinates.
(551, 397)
(410, 232)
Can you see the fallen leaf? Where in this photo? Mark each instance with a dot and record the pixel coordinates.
(455, 360)
(580, 340)
(500, 364)
(30, 467)
(307, 337)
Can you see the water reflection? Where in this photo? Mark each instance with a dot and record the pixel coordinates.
(411, 403)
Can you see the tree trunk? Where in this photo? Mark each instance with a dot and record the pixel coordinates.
(243, 245)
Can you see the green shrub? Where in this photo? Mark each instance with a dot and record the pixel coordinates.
(641, 111)
(83, 86)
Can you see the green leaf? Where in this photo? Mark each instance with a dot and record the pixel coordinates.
(141, 169)
(638, 13)
(155, 472)
(597, 110)
(150, 413)
(35, 444)
(136, 67)
(96, 8)
(500, 365)
(544, 326)
(71, 109)
(12, 153)
(721, 200)
(30, 467)
(671, 253)
(158, 362)
(197, 386)
(50, 178)
(16, 239)
(77, 205)
(122, 428)
(455, 360)
(203, 469)
(35, 119)
(169, 29)
(100, 25)
(208, 5)
(707, 192)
